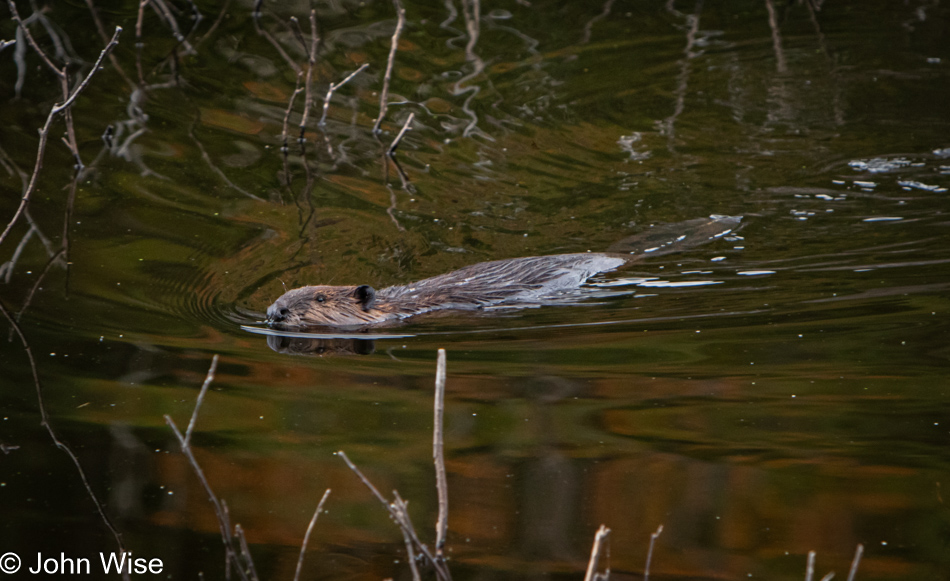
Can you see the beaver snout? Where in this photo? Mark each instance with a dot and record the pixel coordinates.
(326, 306)
(277, 312)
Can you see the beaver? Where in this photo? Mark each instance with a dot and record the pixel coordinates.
(513, 282)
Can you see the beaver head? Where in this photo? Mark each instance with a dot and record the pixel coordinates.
(326, 306)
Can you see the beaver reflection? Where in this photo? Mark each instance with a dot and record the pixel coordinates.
(515, 282)
(318, 347)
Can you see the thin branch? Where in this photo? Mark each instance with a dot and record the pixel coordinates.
(5, 43)
(308, 84)
(405, 127)
(201, 396)
(306, 537)
(61, 73)
(384, 94)
(402, 508)
(333, 88)
(44, 133)
(290, 105)
(653, 537)
(780, 64)
(397, 510)
(207, 159)
(600, 541)
(270, 38)
(232, 554)
(438, 456)
(858, 552)
(810, 566)
(245, 552)
(45, 422)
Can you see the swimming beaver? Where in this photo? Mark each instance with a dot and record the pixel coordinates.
(514, 282)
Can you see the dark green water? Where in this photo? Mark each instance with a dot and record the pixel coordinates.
(798, 402)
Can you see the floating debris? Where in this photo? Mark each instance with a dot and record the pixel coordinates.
(879, 164)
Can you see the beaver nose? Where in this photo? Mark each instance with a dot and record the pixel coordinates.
(276, 313)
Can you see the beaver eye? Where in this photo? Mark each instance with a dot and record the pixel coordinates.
(320, 298)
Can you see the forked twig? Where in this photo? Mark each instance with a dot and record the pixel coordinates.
(44, 132)
(232, 553)
(600, 542)
(384, 94)
(333, 88)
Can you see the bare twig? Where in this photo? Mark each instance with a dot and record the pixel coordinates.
(5, 43)
(600, 542)
(306, 537)
(401, 507)
(270, 38)
(810, 566)
(201, 396)
(290, 106)
(780, 65)
(245, 552)
(165, 14)
(232, 553)
(384, 94)
(61, 73)
(308, 84)
(397, 510)
(44, 132)
(405, 127)
(105, 38)
(207, 159)
(858, 552)
(391, 210)
(333, 88)
(653, 537)
(438, 456)
(45, 422)
(589, 27)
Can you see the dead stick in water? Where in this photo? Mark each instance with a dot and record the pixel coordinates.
(290, 105)
(232, 554)
(306, 537)
(44, 132)
(438, 456)
(384, 94)
(308, 84)
(858, 551)
(405, 127)
(600, 539)
(201, 396)
(653, 537)
(333, 88)
(810, 566)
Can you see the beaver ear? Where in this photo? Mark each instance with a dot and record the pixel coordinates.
(366, 295)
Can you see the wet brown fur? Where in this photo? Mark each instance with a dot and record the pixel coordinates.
(515, 281)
